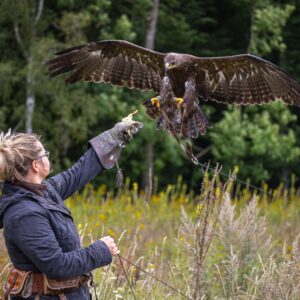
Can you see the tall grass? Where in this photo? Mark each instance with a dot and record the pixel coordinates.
(219, 244)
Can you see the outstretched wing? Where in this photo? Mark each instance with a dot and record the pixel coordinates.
(244, 79)
(117, 62)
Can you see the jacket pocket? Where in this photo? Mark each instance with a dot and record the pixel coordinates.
(60, 225)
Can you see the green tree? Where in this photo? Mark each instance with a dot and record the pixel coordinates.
(260, 143)
(24, 17)
(267, 28)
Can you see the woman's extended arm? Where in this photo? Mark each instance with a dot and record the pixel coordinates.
(75, 178)
(103, 154)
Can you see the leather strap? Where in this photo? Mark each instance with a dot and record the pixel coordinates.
(8, 290)
(37, 283)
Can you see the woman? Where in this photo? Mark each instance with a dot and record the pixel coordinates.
(40, 235)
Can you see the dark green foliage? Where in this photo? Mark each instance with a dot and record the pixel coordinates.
(262, 141)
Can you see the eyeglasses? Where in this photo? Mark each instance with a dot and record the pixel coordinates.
(47, 153)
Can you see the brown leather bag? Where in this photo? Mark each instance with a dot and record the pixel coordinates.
(23, 284)
(54, 287)
(19, 283)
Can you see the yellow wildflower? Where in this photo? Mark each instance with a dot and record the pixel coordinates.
(102, 217)
(135, 186)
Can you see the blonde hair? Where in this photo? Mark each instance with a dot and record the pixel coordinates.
(17, 151)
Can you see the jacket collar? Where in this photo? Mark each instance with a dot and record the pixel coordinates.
(13, 192)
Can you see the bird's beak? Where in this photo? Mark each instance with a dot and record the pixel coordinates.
(169, 66)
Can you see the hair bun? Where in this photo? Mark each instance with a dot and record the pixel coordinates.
(17, 151)
(5, 139)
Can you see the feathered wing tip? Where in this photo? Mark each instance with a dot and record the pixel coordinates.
(72, 49)
(63, 62)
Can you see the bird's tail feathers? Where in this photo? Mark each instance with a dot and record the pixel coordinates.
(201, 121)
(194, 122)
(189, 127)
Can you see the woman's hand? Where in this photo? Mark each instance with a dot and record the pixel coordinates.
(110, 243)
(109, 144)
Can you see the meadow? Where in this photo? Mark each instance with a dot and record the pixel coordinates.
(225, 242)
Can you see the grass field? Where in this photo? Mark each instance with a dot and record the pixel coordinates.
(252, 252)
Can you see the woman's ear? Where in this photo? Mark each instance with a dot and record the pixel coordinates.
(35, 166)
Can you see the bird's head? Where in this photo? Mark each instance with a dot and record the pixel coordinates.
(171, 61)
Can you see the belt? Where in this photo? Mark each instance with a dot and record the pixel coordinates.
(43, 285)
(21, 283)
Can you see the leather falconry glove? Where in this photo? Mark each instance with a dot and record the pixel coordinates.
(109, 144)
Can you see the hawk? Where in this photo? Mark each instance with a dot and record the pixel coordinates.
(179, 80)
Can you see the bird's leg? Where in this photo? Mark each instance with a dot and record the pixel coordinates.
(169, 116)
(190, 91)
(166, 92)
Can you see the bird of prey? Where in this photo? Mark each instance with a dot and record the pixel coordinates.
(180, 80)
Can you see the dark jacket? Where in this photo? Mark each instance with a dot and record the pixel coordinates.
(39, 231)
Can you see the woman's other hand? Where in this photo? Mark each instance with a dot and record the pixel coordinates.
(110, 243)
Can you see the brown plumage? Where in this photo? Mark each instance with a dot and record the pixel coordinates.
(239, 79)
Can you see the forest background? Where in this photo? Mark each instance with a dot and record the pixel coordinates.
(262, 142)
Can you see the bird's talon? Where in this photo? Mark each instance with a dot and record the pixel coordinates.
(179, 102)
(155, 102)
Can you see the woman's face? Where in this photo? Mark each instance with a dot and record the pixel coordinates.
(43, 161)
